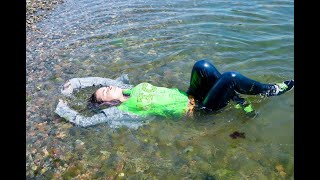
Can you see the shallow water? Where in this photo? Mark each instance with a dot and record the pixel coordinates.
(158, 42)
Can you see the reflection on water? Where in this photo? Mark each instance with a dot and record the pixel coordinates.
(158, 42)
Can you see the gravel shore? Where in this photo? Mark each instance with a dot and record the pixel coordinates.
(36, 10)
(41, 148)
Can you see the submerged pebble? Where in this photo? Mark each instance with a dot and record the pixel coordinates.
(237, 134)
(58, 54)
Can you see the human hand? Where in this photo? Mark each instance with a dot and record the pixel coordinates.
(63, 102)
(67, 88)
(67, 85)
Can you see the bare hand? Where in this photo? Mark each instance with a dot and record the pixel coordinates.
(63, 102)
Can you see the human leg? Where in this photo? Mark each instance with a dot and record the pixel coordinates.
(203, 76)
(230, 82)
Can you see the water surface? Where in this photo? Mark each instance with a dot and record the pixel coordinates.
(158, 42)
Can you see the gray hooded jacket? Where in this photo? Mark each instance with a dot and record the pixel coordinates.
(113, 116)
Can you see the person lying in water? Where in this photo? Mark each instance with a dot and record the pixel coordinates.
(209, 91)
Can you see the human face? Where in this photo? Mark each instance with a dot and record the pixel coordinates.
(109, 93)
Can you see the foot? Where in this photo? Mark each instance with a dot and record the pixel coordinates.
(280, 88)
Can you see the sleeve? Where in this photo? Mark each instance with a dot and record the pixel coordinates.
(64, 111)
(78, 83)
(112, 116)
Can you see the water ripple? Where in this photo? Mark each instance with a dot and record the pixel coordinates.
(158, 42)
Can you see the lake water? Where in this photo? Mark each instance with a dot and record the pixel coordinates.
(158, 42)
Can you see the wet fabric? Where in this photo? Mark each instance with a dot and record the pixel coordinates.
(147, 99)
(213, 90)
(78, 83)
(112, 116)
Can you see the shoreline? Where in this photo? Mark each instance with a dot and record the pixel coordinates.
(37, 10)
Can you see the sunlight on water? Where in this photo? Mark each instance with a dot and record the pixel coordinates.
(158, 42)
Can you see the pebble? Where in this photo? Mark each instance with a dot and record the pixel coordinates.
(36, 10)
(188, 149)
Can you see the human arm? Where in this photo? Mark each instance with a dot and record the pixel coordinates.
(112, 116)
(78, 83)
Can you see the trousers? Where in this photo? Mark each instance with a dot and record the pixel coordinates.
(213, 90)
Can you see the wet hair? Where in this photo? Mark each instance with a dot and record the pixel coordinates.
(93, 101)
(93, 98)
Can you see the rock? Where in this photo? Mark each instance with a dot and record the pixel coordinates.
(188, 149)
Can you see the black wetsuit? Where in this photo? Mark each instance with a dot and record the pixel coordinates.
(213, 90)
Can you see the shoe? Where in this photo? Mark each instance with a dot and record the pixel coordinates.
(280, 88)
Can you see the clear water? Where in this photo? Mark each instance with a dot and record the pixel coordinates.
(158, 42)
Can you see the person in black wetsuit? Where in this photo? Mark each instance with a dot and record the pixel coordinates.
(214, 90)
(210, 89)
